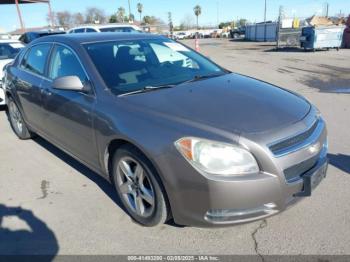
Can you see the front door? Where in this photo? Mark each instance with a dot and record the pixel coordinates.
(69, 119)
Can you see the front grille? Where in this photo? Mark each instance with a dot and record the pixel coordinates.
(289, 143)
(294, 173)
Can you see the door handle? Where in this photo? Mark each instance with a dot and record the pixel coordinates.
(46, 91)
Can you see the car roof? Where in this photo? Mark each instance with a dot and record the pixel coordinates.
(103, 26)
(44, 32)
(95, 37)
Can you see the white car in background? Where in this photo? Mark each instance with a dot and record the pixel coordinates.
(8, 50)
(125, 28)
(181, 36)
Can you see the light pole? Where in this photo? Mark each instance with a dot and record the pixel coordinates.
(129, 11)
(217, 13)
(265, 22)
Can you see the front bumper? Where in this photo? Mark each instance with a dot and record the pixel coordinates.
(199, 200)
(302, 188)
(220, 203)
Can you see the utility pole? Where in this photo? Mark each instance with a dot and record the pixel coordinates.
(217, 13)
(129, 11)
(51, 15)
(265, 21)
(20, 16)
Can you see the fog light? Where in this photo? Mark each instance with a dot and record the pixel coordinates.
(240, 215)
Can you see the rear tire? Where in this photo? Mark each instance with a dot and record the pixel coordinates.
(139, 187)
(16, 121)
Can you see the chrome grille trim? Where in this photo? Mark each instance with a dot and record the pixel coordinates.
(299, 141)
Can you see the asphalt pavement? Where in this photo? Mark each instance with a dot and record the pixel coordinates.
(51, 204)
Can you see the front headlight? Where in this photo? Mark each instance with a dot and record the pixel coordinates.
(217, 158)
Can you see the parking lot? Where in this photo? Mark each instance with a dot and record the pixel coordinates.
(51, 204)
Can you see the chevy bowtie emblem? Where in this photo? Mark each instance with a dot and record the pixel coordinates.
(315, 148)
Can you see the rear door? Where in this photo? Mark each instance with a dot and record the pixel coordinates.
(28, 79)
(68, 119)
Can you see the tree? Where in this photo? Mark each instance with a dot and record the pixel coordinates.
(78, 19)
(121, 15)
(53, 21)
(242, 22)
(224, 24)
(64, 18)
(150, 20)
(197, 11)
(95, 15)
(113, 19)
(140, 9)
(187, 22)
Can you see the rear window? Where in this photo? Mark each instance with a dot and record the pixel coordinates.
(35, 59)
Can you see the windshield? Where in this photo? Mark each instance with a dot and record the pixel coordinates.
(118, 29)
(128, 66)
(9, 50)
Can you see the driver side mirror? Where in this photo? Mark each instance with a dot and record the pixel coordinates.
(72, 83)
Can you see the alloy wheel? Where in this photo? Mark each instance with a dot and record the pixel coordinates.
(135, 187)
(15, 117)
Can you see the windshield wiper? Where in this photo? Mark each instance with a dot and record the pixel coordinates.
(147, 89)
(153, 88)
(201, 77)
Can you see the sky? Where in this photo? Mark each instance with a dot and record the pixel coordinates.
(212, 10)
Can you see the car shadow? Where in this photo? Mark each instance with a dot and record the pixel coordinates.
(294, 50)
(38, 240)
(286, 50)
(102, 183)
(340, 161)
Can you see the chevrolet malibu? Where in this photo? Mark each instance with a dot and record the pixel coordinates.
(178, 136)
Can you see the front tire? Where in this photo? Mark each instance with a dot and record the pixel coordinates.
(139, 187)
(16, 120)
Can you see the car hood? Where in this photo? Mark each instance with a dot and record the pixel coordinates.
(232, 102)
(2, 64)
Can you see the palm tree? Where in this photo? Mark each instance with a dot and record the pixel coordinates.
(140, 9)
(197, 11)
(121, 14)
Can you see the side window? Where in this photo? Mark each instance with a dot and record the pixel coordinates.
(35, 59)
(90, 30)
(79, 30)
(65, 63)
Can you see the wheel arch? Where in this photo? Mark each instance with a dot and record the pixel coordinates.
(117, 143)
